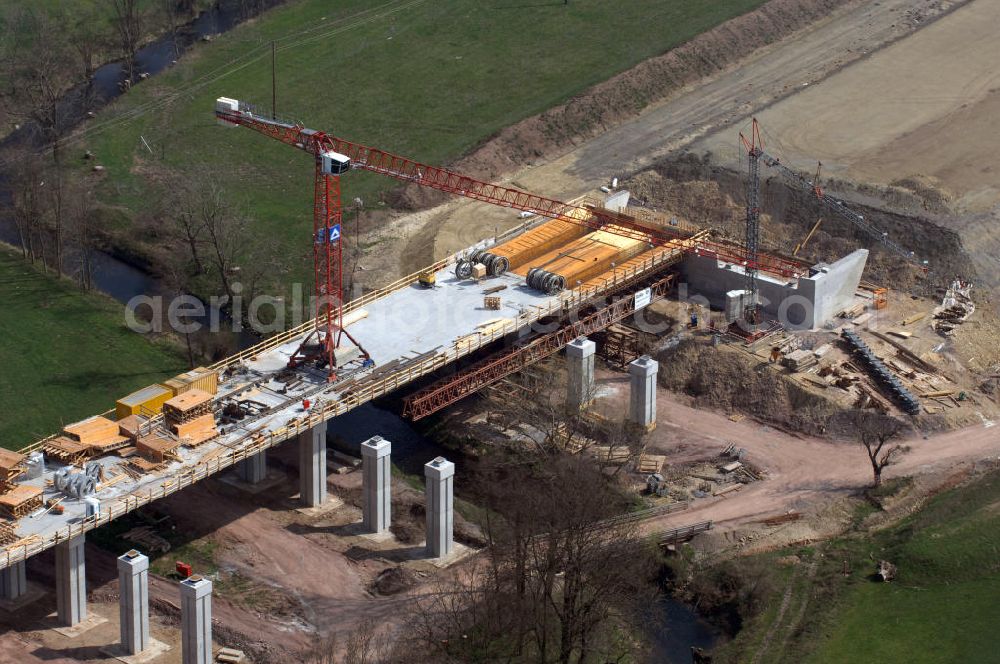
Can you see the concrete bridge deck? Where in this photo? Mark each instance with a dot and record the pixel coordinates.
(409, 331)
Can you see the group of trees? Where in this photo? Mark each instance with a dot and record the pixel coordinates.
(561, 580)
(45, 54)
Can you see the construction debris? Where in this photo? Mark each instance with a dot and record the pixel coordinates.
(886, 571)
(147, 539)
(955, 309)
(881, 374)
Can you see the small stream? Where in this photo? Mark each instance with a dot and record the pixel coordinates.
(111, 275)
(682, 628)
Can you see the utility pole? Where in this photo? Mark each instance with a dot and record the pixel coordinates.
(274, 85)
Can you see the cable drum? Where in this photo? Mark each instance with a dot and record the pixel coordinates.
(463, 269)
(495, 265)
(545, 281)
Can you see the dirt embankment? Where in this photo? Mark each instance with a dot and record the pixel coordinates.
(624, 96)
(728, 381)
(696, 189)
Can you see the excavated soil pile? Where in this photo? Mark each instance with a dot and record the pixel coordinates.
(718, 379)
(622, 97)
(709, 195)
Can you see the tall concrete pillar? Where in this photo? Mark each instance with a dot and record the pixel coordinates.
(642, 399)
(253, 469)
(439, 475)
(580, 363)
(376, 484)
(13, 581)
(312, 465)
(71, 582)
(133, 601)
(196, 620)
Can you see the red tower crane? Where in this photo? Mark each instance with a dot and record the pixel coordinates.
(335, 156)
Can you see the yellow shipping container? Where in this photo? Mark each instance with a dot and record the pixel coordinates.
(201, 378)
(175, 385)
(149, 398)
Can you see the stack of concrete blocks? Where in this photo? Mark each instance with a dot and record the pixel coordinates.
(642, 396)
(376, 484)
(133, 603)
(439, 475)
(580, 379)
(312, 465)
(71, 582)
(196, 620)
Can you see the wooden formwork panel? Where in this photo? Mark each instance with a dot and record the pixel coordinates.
(587, 256)
(538, 241)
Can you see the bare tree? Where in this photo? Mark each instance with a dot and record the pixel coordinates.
(40, 67)
(559, 579)
(28, 203)
(876, 431)
(83, 225)
(128, 22)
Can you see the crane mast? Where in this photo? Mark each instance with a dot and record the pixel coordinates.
(755, 148)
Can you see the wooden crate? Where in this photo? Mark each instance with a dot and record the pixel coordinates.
(20, 501)
(187, 406)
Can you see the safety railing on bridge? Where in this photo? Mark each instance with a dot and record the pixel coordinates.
(353, 397)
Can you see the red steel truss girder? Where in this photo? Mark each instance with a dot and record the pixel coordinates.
(496, 367)
(408, 170)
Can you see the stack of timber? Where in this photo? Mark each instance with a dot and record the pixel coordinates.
(189, 417)
(99, 434)
(10, 468)
(197, 431)
(187, 406)
(20, 501)
(799, 360)
(8, 532)
(155, 447)
(147, 538)
(650, 463)
(66, 450)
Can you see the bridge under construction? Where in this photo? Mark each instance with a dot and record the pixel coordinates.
(577, 268)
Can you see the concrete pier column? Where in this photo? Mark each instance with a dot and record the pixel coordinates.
(253, 469)
(312, 465)
(642, 399)
(13, 581)
(580, 363)
(376, 484)
(133, 601)
(196, 620)
(71, 582)
(439, 475)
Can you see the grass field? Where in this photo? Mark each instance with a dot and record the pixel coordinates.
(941, 608)
(425, 79)
(65, 355)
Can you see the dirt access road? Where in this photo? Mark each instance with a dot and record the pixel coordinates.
(803, 474)
(716, 103)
